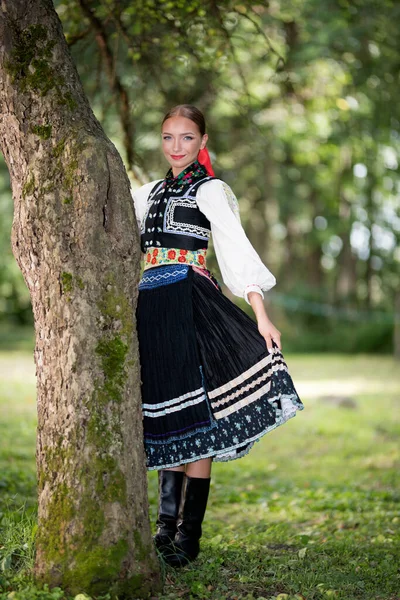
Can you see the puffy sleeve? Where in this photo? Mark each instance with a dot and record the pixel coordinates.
(139, 198)
(241, 267)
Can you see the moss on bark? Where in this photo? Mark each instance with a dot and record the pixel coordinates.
(112, 352)
(66, 282)
(43, 131)
(101, 482)
(30, 65)
(70, 535)
(95, 568)
(51, 534)
(29, 186)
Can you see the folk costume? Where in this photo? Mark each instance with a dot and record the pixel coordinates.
(210, 388)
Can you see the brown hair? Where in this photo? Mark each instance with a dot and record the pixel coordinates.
(190, 112)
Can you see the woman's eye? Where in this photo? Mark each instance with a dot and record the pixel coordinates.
(188, 137)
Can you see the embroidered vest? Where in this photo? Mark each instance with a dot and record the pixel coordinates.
(172, 218)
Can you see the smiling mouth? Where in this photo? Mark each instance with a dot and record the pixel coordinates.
(177, 155)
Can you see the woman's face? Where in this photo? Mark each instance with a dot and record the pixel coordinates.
(181, 142)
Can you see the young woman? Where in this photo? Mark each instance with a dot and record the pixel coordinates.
(213, 380)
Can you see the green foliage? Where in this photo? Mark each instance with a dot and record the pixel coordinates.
(17, 536)
(31, 592)
(302, 111)
(16, 337)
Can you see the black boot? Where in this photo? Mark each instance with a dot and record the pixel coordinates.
(169, 499)
(186, 545)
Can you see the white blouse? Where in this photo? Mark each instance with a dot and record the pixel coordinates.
(241, 267)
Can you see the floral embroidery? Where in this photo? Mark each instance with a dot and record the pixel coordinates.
(162, 256)
(232, 200)
(193, 172)
(241, 433)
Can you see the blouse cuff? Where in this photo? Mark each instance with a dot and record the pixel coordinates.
(252, 287)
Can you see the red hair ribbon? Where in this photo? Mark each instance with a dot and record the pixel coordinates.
(204, 158)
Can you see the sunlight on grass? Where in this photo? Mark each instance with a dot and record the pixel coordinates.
(313, 510)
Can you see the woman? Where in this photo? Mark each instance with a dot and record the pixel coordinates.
(213, 381)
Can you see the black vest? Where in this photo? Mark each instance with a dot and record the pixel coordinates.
(173, 219)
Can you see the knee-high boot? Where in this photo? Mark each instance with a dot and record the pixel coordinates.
(186, 544)
(169, 499)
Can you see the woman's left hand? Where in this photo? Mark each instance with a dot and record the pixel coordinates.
(269, 332)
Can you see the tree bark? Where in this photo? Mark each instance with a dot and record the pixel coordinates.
(75, 239)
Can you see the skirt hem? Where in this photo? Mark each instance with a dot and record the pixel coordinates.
(218, 455)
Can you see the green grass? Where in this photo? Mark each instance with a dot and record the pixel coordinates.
(313, 510)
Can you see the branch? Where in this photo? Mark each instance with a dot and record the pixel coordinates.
(281, 61)
(217, 13)
(114, 81)
(73, 39)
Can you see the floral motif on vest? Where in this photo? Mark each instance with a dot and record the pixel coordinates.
(172, 218)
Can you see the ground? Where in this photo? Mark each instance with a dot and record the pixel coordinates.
(312, 512)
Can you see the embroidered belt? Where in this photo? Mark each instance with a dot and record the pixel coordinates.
(166, 256)
(159, 276)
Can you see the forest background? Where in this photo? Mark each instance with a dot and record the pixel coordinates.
(303, 120)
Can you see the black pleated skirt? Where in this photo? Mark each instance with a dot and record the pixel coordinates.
(210, 388)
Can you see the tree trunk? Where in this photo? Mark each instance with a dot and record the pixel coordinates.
(315, 276)
(75, 239)
(396, 333)
(345, 287)
(346, 271)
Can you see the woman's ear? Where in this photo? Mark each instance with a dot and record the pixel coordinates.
(204, 141)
